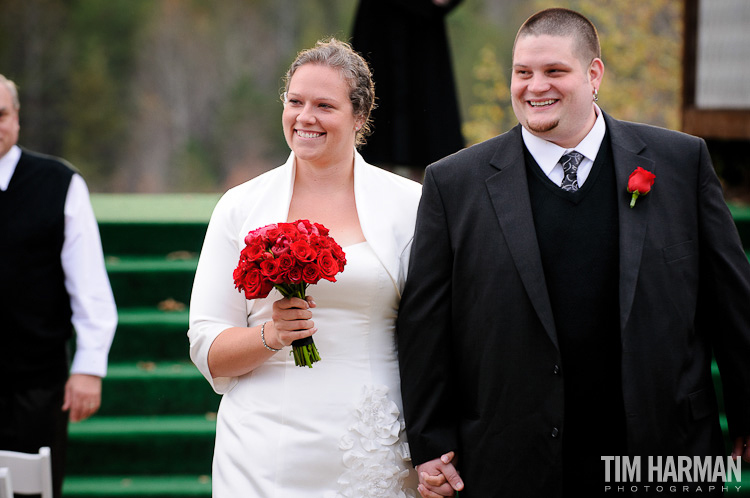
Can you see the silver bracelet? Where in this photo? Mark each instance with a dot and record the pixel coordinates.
(263, 338)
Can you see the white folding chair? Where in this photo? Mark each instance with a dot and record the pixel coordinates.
(6, 487)
(31, 473)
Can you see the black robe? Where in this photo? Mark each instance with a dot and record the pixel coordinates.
(417, 119)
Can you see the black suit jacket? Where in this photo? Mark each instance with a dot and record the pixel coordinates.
(480, 365)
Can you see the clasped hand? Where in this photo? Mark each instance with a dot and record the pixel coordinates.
(292, 320)
(741, 448)
(439, 477)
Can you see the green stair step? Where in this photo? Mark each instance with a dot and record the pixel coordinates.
(140, 486)
(181, 262)
(137, 427)
(150, 280)
(151, 238)
(154, 208)
(152, 223)
(149, 334)
(149, 388)
(159, 445)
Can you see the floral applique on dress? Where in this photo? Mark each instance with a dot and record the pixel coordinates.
(373, 451)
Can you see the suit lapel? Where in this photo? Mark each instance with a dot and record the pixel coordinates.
(509, 192)
(626, 151)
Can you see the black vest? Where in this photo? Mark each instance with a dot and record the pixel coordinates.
(34, 305)
(578, 235)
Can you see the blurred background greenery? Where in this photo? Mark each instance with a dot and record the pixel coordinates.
(183, 95)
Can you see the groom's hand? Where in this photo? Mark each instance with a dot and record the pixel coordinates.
(742, 448)
(439, 477)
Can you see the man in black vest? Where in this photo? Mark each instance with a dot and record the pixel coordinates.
(53, 284)
(556, 313)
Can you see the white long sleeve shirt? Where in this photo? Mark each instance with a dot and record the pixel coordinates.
(92, 303)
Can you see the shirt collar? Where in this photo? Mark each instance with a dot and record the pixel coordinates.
(547, 154)
(8, 166)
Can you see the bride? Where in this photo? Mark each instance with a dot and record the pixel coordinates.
(335, 429)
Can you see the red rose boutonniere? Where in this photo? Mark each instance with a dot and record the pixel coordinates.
(639, 183)
(289, 257)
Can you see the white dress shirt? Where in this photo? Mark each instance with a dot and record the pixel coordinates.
(547, 155)
(91, 300)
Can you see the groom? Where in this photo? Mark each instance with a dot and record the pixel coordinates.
(545, 322)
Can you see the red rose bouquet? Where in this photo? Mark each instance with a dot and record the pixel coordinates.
(289, 257)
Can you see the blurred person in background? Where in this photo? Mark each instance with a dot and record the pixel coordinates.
(53, 288)
(416, 120)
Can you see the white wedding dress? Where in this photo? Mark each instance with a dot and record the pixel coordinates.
(334, 430)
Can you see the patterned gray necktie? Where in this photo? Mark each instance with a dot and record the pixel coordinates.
(570, 163)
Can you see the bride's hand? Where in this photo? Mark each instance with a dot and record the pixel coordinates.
(439, 477)
(292, 320)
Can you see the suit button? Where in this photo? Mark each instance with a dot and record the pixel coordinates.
(555, 432)
(556, 370)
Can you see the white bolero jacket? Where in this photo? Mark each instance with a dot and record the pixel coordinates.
(387, 208)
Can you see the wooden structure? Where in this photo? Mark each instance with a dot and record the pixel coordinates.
(716, 74)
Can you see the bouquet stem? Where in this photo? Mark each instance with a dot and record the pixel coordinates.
(304, 350)
(305, 353)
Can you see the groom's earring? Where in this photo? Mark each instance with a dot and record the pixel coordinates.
(596, 95)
